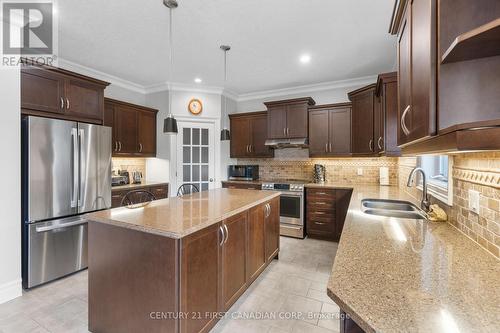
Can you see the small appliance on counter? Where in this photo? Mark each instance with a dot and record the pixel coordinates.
(319, 176)
(118, 180)
(243, 172)
(136, 177)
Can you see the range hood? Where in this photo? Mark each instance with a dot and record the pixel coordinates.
(287, 143)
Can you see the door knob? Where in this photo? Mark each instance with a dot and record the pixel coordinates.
(211, 180)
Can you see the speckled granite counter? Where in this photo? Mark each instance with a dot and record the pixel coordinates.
(135, 186)
(180, 216)
(401, 275)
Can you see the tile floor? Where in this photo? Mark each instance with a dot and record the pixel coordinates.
(294, 286)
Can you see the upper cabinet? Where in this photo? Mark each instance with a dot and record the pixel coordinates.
(134, 128)
(288, 119)
(386, 114)
(363, 117)
(330, 130)
(248, 135)
(56, 93)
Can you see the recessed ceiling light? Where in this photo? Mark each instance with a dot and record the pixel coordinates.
(197, 80)
(305, 58)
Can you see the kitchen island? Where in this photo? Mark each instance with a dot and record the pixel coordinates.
(174, 265)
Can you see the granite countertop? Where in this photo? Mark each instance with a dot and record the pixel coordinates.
(134, 186)
(178, 217)
(394, 275)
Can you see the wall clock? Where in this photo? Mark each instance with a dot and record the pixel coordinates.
(195, 106)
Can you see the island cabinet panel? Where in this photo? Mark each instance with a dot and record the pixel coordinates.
(132, 274)
(256, 241)
(272, 223)
(234, 259)
(201, 279)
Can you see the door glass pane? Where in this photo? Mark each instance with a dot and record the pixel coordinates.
(186, 155)
(196, 154)
(204, 173)
(196, 173)
(186, 136)
(204, 136)
(204, 154)
(204, 186)
(186, 172)
(196, 136)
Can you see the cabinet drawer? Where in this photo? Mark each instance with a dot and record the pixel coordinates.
(159, 192)
(319, 194)
(116, 200)
(320, 225)
(321, 204)
(322, 214)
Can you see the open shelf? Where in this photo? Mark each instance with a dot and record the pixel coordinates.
(481, 42)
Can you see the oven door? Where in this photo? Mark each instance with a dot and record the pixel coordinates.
(292, 208)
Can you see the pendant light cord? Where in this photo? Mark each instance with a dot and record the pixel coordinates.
(171, 65)
(225, 84)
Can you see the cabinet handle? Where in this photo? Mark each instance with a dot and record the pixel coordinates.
(119, 146)
(371, 144)
(319, 213)
(320, 193)
(140, 147)
(319, 223)
(379, 143)
(405, 129)
(326, 147)
(116, 145)
(62, 103)
(250, 148)
(284, 131)
(67, 103)
(227, 233)
(222, 233)
(287, 131)
(330, 144)
(319, 203)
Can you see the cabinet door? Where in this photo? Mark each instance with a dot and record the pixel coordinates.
(404, 76)
(146, 133)
(340, 131)
(84, 100)
(125, 123)
(240, 137)
(390, 107)
(318, 133)
(272, 229)
(378, 124)
(234, 259)
(276, 122)
(362, 123)
(296, 121)
(258, 134)
(256, 242)
(42, 90)
(200, 279)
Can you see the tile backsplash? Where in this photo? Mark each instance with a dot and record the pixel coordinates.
(471, 171)
(130, 165)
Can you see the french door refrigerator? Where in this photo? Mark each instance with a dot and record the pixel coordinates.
(66, 172)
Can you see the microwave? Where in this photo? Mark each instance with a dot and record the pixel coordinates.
(243, 172)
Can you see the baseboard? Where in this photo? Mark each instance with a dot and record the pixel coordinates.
(10, 290)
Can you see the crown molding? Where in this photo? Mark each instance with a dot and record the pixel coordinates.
(356, 82)
(69, 65)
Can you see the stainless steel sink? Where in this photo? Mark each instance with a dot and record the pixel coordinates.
(392, 208)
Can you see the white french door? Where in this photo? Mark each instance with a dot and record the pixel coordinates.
(195, 155)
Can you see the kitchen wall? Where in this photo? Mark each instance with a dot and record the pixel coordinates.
(130, 165)
(10, 197)
(471, 171)
(293, 163)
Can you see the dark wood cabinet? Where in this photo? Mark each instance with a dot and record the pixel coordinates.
(201, 279)
(160, 191)
(386, 116)
(256, 241)
(272, 229)
(242, 185)
(288, 119)
(330, 130)
(248, 135)
(57, 93)
(326, 210)
(134, 128)
(234, 259)
(363, 117)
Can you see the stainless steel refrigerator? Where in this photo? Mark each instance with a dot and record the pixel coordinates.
(66, 172)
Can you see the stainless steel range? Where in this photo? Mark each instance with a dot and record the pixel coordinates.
(291, 206)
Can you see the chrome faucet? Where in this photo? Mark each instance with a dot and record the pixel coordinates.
(424, 203)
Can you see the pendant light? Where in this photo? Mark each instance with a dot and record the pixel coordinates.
(170, 124)
(224, 134)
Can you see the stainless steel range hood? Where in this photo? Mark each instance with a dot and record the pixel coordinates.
(287, 143)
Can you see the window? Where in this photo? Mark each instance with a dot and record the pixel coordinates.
(438, 171)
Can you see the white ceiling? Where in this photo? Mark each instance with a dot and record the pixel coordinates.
(129, 39)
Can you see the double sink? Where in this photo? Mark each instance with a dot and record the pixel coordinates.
(393, 208)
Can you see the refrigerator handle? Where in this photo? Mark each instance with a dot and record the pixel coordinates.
(81, 137)
(74, 196)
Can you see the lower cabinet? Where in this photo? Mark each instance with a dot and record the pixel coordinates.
(242, 185)
(220, 262)
(159, 191)
(326, 210)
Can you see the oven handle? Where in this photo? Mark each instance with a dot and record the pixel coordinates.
(293, 227)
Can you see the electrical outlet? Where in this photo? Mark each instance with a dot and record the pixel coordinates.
(360, 171)
(474, 201)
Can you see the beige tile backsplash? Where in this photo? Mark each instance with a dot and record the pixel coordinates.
(471, 171)
(130, 165)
